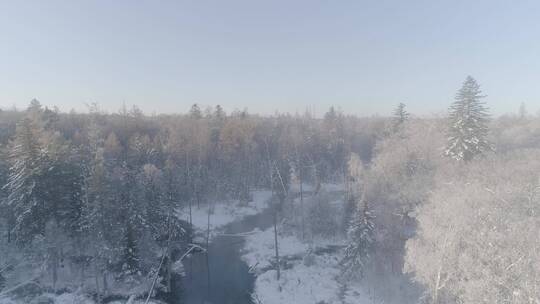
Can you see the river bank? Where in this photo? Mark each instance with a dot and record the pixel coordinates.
(310, 270)
(219, 275)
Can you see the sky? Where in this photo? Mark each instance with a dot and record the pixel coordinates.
(363, 57)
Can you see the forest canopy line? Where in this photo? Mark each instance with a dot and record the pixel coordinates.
(439, 209)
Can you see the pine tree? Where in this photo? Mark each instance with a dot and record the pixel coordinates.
(97, 218)
(219, 113)
(400, 116)
(362, 239)
(24, 181)
(156, 211)
(336, 150)
(467, 135)
(130, 258)
(6, 212)
(195, 112)
(133, 219)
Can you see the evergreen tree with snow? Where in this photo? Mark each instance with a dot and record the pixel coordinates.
(336, 150)
(361, 241)
(400, 116)
(6, 213)
(132, 219)
(219, 113)
(468, 132)
(130, 257)
(155, 205)
(24, 181)
(195, 112)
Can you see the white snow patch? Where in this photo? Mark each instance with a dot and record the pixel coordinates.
(308, 279)
(66, 298)
(225, 212)
(260, 250)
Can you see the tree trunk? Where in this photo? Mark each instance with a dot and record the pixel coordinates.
(190, 218)
(276, 245)
(169, 270)
(302, 206)
(440, 269)
(437, 284)
(208, 248)
(105, 285)
(54, 264)
(317, 179)
(97, 274)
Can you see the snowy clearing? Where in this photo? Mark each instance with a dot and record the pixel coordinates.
(306, 278)
(223, 213)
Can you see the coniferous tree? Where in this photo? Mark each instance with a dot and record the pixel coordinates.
(468, 132)
(130, 259)
(361, 241)
(25, 180)
(400, 116)
(195, 112)
(219, 113)
(155, 213)
(336, 149)
(97, 218)
(133, 212)
(6, 212)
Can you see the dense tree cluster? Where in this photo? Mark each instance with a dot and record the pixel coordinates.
(429, 212)
(477, 236)
(464, 231)
(105, 195)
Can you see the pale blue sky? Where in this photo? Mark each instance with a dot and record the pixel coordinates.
(362, 56)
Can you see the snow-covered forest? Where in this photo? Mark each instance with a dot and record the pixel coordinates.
(220, 207)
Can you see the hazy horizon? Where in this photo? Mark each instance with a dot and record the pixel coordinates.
(363, 57)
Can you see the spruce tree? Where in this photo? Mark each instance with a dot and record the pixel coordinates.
(195, 112)
(219, 113)
(155, 204)
(6, 212)
(25, 180)
(468, 132)
(361, 241)
(130, 258)
(400, 116)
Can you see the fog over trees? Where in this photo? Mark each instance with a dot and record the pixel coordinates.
(399, 209)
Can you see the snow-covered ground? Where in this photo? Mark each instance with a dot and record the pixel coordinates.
(66, 298)
(331, 187)
(223, 213)
(310, 271)
(307, 278)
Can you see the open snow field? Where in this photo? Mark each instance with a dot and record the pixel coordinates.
(306, 278)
